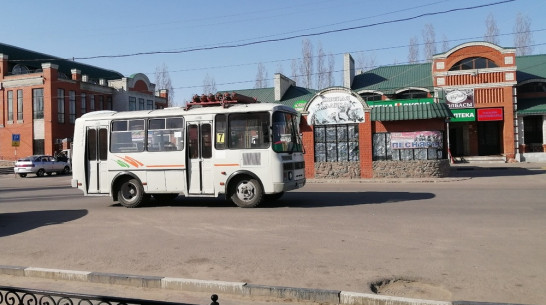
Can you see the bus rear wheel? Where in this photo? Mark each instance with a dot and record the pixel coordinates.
(247, 193)
(131, 193)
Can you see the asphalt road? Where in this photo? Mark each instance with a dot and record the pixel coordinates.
(478, 237)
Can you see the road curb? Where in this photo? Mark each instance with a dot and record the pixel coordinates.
(288, 294)
(232, 288)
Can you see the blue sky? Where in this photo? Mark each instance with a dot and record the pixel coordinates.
(82, 29)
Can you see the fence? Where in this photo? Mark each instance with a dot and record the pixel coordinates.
(23, 296)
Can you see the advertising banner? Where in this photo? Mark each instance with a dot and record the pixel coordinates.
(490, 114)
(416, 139)
(335, 108)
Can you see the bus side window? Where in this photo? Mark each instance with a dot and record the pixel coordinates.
(220, 131)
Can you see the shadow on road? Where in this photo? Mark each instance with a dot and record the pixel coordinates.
(302, 200)
(15, 223)
(497, 171)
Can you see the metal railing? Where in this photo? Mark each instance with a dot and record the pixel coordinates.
(23, 296)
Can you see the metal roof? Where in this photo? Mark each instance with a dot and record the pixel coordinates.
(531, 67)
(411, 112)
(389, 79)
(34, 60)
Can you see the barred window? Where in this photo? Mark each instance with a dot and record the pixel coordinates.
(20, 104)
(336, 143)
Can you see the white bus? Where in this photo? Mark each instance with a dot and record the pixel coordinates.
(247, 152)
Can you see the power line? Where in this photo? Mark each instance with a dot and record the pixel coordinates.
(229, 46)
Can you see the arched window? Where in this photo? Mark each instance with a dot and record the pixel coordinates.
(473, 63)
(411, 94)
(371, 96)
(19, 69)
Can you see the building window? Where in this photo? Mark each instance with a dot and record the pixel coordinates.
(83, 104)
(38, 103)
(38, 145)
(382, 150)
(140, 104)
(10, 106)
(108, 103)
(72, 106)
(60, 105)
(132, 103)
(150, 105)
(101, 102)
(336, 143)
(473, 63)
(20, 104)
(91, 102)
(532, 133)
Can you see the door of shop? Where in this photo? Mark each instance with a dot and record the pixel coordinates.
(489, 141)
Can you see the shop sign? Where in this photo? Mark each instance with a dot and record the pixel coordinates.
(335, 108)
(299, 105)
(459, 98)
(397, 103)
(416, 139)
(463, 115)
(490, 114)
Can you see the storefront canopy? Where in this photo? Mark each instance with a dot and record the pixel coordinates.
(411, 112)
(532, 106)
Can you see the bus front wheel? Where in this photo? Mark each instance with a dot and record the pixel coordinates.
(131, 193)
(247, 193)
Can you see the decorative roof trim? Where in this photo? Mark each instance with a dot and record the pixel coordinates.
(472, 44)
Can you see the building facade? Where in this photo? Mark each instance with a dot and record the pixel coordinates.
(42, 95)
(477, 99)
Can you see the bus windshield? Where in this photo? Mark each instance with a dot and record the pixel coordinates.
(286, 136)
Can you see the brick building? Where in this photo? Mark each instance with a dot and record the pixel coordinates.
(477, 99)
(42, 95)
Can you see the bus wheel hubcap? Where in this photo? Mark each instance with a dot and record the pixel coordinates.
(245, 191)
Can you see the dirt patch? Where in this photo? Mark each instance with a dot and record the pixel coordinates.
(410, 289)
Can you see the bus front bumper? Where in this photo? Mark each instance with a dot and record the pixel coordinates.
(288, 186)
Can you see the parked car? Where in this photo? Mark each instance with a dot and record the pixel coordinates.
(41, 165)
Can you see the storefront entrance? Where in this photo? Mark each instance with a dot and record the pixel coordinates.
(489, 138)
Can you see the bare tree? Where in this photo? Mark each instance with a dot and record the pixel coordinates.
(331, 67)
(413, 55)
(261, 77)
(429, 39)
(294, 67)
(523, 39)
(163, 81)
(209, 85)
(322, 72)
(491, 30)
(306, 66)
(445, 44)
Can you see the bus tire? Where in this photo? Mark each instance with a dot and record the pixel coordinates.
(247, 192)
(131, 193)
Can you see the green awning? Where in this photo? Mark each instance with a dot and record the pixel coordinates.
(411, 112)
(532, 106)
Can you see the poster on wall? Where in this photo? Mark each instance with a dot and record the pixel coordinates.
(417, 139)
(335, 108)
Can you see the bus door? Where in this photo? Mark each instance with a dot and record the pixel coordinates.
(96, 150)
(200, 175)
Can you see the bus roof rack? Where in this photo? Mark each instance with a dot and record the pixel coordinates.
(225, 100)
